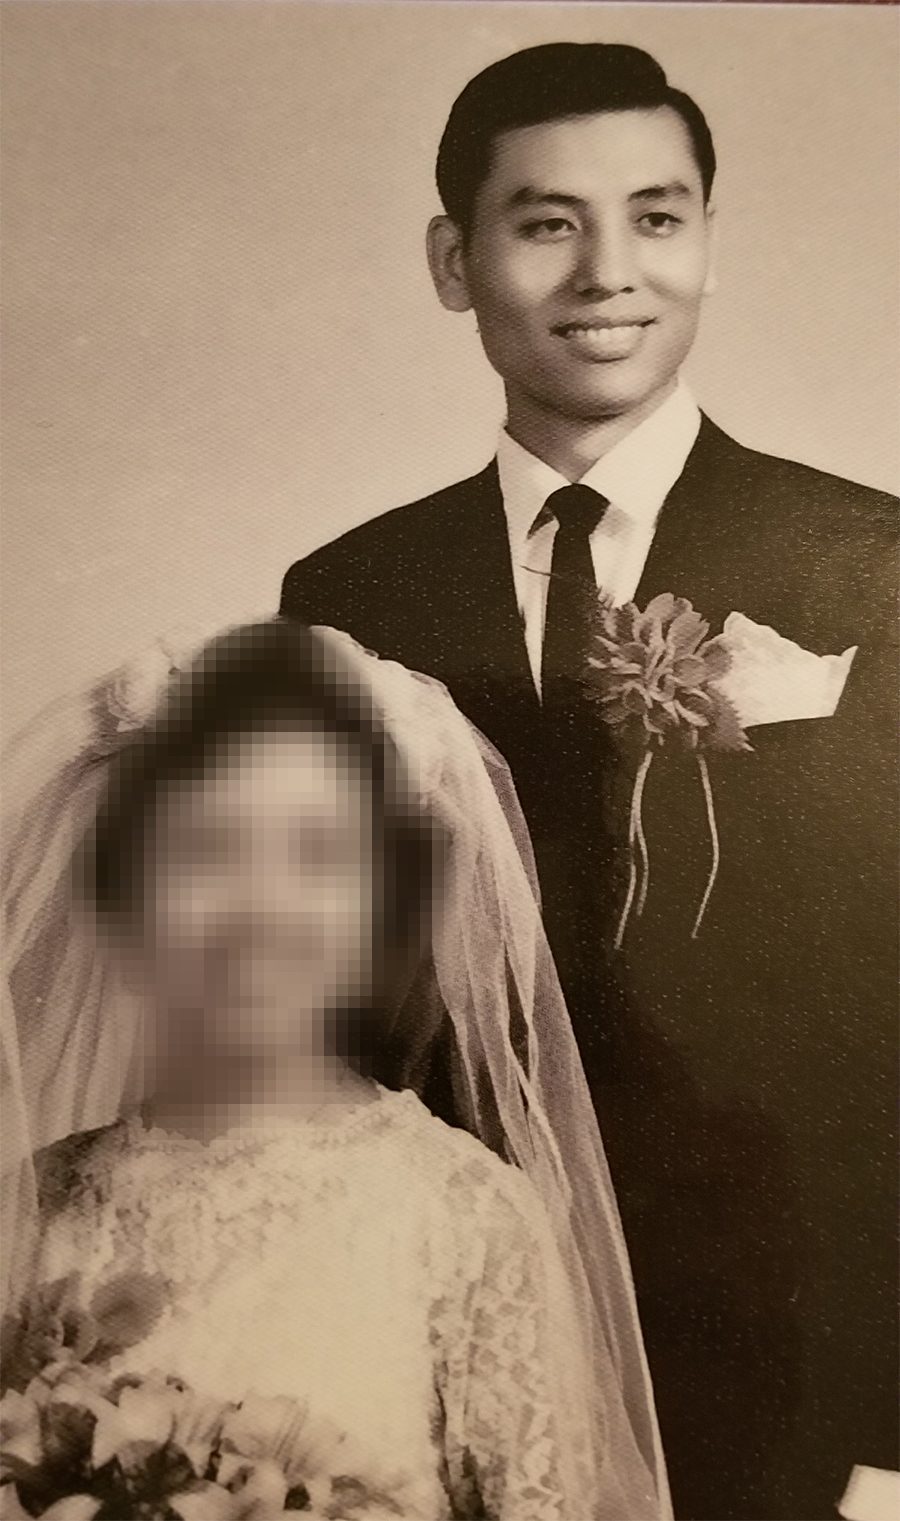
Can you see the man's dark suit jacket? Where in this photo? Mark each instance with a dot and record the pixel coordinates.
(746, 1081)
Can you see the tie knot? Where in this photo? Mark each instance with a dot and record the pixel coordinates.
(577, 507)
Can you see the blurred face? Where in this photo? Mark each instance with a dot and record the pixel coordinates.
(588, 260)
(259, 900)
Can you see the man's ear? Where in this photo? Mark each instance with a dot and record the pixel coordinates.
(447, 264)
(711, 283)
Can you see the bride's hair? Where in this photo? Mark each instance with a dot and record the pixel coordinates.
(259, 679)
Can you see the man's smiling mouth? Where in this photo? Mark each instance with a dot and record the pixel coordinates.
(602, 325)
(603, 337)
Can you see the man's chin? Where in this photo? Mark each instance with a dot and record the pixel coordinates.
(589, 401)
(612, 399)
(593, 410)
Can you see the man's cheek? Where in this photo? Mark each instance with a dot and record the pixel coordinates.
(513, 280)
(679, 273)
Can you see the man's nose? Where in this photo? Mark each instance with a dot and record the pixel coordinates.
(606, 263)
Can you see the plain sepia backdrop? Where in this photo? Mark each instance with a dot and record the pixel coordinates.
(221, 343)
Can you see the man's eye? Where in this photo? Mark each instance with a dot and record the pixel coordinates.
(548, 229)
(659, 222)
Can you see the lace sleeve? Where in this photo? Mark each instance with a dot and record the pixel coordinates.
(513, 1430)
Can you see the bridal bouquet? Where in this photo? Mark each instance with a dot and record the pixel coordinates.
(80, 1444)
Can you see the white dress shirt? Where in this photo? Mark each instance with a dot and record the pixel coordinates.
(635, 476)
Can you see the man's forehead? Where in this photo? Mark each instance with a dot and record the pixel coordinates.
(616, 148)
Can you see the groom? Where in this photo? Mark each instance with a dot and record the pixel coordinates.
(744, 1077)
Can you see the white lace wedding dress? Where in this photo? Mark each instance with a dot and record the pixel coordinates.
(383, 1267)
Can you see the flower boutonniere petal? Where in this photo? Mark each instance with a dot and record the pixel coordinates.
(658, 678)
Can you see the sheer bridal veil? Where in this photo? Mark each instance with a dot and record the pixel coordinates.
(70, 1036)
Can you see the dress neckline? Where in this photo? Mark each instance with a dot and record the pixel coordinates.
(324, 1130)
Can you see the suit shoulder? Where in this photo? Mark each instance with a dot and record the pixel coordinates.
(808, 486)
(391, 537)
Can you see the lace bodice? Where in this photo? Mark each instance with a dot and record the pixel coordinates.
(385, 1268)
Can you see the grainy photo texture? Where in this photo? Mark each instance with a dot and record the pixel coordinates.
(450, 982)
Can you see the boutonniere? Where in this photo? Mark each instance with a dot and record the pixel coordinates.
(656, 676)
(660, 681)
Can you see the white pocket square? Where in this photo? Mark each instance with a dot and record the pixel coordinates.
(873, 1494)
(772, 680)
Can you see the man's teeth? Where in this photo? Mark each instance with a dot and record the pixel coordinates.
(613, 341)
(600, 332)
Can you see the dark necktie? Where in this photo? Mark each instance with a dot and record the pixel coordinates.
(572, 591)
(570, 844)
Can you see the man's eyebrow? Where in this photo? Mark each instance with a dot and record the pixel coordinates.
(674, 190)
(530, 195)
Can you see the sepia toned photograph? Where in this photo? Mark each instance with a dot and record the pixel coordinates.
(450, 466)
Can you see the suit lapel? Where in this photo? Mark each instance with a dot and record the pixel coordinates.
(708, 547)
(696, 537)
(482, 634)
(481, 652)
(718, 542)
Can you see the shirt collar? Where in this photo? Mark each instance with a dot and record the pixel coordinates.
(636, 475)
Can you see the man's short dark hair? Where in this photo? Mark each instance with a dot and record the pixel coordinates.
(550, 83)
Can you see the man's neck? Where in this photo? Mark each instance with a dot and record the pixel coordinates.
(572, 445)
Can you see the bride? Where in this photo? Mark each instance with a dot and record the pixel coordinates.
(289, 1084)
